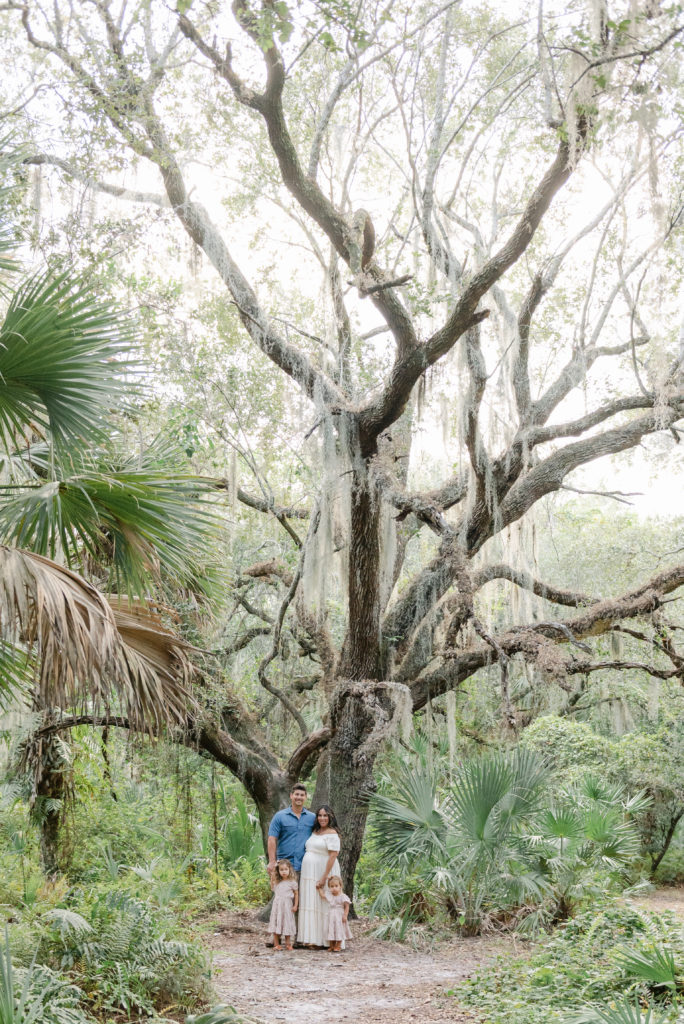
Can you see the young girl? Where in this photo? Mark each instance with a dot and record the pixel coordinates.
(286, 893)
(338, 929)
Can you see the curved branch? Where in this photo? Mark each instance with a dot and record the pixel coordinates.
(540, 435)
(244, 641)
(275, 648)
(526, 581)
(382, 411)
(586, 667)
(242, 762)
(309, 748)
(131, 195)
(548, 475)
(262, 505)
(304, 189)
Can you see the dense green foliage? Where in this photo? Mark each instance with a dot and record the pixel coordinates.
(118, 935)
(501, 842)
(606, 953)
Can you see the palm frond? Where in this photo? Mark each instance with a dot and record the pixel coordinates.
(86, 649)
(655, 966)
(17, 672)
(562, 823)
(591, 787)
(220, 1014)
(157, 669)
(616, 840)
(492, 795)
(59, 360)
(623, 1012)
(140, 522)
(411, 825)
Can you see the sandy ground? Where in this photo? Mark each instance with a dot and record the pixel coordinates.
(372, 982)
(663, 899)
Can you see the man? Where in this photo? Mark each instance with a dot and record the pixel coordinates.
(289, 831)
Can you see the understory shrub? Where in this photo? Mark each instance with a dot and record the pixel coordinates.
(114, 958)
(498, 845)
(599, 963)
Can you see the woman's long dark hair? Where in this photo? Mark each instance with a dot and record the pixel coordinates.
(332, 820)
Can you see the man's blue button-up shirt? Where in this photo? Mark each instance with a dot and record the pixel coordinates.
(292, 833)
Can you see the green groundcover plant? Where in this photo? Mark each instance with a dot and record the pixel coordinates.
(612, 964)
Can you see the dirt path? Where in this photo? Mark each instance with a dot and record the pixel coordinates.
(664, 899)
(373, 982)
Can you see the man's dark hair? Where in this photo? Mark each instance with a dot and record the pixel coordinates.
(298, 785)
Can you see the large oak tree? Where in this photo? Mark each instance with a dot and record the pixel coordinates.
(497, 196)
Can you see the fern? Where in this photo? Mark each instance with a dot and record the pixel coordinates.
(67, 922)
(120, 947)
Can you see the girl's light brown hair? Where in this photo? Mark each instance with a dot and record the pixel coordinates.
(335, 878)
(290, 871)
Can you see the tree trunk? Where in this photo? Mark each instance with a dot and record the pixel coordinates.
(674, 821)
(361, 651)
(51, 790)
(363, 713)
(359, 705)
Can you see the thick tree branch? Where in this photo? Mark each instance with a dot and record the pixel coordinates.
(540, 435)
(118, 191)
(304, 188)
(249, 767)
(548, 475)
(262, 505)
(380, 412)
(532, 641)
(307, 750)
(244, 640)
(526, 581)
(584, 667)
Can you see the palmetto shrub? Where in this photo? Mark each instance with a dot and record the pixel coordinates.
(625, 1011)
(495, 844)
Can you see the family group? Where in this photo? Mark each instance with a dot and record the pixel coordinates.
(305, 878)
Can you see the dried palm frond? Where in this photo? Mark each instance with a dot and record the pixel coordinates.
(156, 658)
(87, 650)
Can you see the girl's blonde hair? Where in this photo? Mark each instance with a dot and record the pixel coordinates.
(290, 871)
(335, 878)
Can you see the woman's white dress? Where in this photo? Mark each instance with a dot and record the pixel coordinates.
(313, 911)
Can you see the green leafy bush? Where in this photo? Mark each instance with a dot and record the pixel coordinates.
(35, 995)
(495, 845)
(122, 959)
(582, 971)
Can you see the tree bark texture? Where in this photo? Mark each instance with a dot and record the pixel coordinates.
(362, 715)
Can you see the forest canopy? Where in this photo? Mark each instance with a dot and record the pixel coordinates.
(403, 273)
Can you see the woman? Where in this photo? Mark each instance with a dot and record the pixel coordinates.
(320, 861)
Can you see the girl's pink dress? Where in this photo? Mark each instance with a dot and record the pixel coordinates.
(338, 929)
(282, 919)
